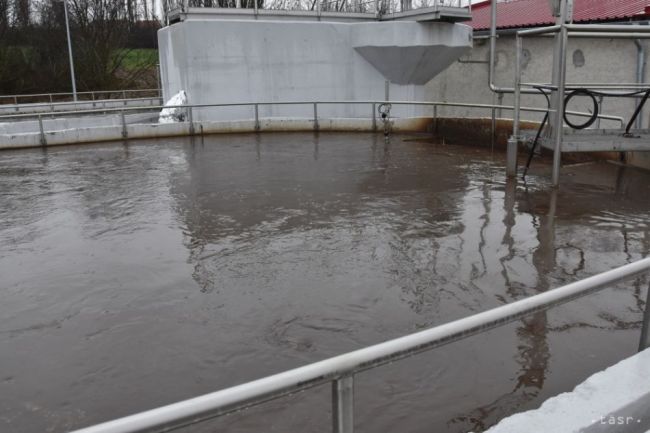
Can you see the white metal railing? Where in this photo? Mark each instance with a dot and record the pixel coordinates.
(96, 95)
(340, 370)
(190, 109)
(353, 6)
(562, 31)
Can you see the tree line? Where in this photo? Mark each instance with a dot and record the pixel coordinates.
(105, 36)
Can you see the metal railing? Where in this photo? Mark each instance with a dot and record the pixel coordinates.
(562, 31)
(340, 370)
(190, 112)
(379, 7)
(96, 95)
(58, 108)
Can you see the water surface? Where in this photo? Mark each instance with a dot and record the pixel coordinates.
(135, 275)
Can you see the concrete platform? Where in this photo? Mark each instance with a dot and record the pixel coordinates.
(603, 140)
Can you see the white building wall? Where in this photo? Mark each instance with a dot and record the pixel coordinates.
(229, 61)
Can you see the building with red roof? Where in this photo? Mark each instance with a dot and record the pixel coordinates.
(534, 13)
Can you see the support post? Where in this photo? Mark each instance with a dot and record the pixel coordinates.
(513, 142)
(257, 115)
(125, 133)
(343, 405)
(316, 116)
(191, 120)
(644, 342)
(435, 118)
(556, 121)
(42, 130)
(374, 116)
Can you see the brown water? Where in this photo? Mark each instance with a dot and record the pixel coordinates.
(134, 275)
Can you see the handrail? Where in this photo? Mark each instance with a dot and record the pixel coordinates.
(51, 96)
(253, 104)
(340, 370)
(52, 105)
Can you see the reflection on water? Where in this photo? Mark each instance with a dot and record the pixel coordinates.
(136, 275)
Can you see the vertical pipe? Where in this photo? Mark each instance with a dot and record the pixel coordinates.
(315, 116)
(318, 7)
(374, 116)
(559, 73)
(493, 43)
(644, 342)
(67, 29)
(42, 130)
(513, 143)
(257, 114)
(255, 8)
(493, 125)
(343, 405)
(640, 76)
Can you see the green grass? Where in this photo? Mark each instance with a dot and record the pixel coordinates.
(138, 58)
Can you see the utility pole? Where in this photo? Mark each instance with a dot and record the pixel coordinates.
(67, 29)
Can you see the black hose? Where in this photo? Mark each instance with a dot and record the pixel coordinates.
(594, 115)
(539, 133)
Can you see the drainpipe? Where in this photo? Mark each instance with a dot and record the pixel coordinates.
(640, 75)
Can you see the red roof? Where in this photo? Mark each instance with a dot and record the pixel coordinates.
(531, 13)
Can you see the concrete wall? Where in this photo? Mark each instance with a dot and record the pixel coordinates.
(605, 61)
(589, 60)
(226, 61)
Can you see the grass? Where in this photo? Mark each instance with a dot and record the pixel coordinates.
(138, 58)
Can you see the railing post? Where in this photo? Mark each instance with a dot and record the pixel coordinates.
(42, 130)
(374, 116)
(316, 127)
(125, 133)
(343, 405)
(435, 118)
(257, 115)
(191, 119)
(15, 100)
(644, 341)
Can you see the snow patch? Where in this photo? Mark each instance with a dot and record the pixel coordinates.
(613, 400)
(174, 114)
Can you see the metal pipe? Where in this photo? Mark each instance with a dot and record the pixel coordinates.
(607, 28)
(343, 405)
(640, 76)
(513, 142)
(556, 121)
(644, 341)
(219, 403)
(67, 29)
(492, 58)
(244, 104)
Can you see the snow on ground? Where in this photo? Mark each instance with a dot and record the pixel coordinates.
(614, 400)
(174, 114)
